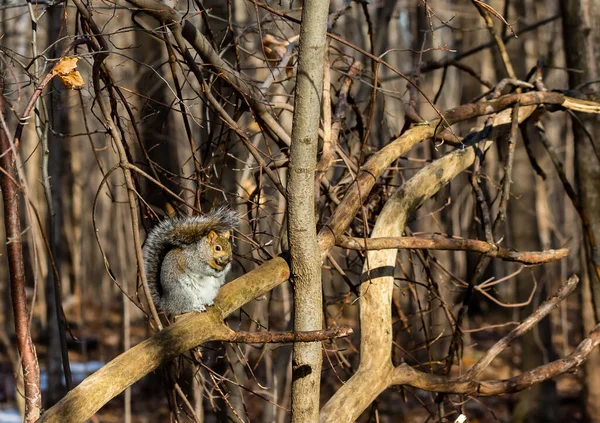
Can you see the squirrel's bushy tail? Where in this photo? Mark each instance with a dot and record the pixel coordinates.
(177, 232)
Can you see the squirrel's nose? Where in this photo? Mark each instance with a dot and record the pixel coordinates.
(223, 261)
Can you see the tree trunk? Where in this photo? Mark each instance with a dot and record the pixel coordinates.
(302, 230)
(580, 32)
(53, 152)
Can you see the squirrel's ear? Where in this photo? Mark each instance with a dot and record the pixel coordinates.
(226, 234)
(212, 236)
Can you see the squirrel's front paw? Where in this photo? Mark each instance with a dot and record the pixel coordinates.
(196, 309)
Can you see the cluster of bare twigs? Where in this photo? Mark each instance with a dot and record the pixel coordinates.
(219, 107)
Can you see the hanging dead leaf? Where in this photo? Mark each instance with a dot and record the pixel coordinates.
(66, 70)
(65, 65)
(72, 80)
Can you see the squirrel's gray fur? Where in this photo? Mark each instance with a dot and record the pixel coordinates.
(176, 289)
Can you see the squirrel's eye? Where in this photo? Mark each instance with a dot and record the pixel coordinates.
(218, 248)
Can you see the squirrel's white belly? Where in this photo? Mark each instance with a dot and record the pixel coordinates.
(192, 292)
(203, 289)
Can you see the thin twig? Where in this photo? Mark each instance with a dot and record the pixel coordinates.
(544, 309)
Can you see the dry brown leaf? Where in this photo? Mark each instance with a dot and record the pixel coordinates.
(72, 80)
(65, 65)
(66, 70)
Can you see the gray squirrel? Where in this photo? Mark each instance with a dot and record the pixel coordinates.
(186, 260)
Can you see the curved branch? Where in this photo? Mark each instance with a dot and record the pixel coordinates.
(468, 385)
(406, 375)
(376, 365)
(373, 169)
(532, 320)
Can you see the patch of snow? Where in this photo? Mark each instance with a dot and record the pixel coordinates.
(10, 415)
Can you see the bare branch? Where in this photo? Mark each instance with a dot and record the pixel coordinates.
(549, 305)
(202, 46)
(376, 292)
(439, 242)
(374, 167)
(287, 337)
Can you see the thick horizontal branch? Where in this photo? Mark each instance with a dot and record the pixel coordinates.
(439, 242)
(188, 332)
(285, 337)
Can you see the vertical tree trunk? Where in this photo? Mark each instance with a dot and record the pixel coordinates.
(305, 257)
(12, 224)
(580, 32)
(155, 118)
(52, 173)
(539, 402)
